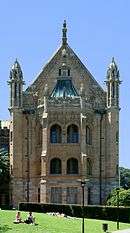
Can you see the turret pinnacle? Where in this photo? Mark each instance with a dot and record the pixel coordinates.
(113, 83)
(113, 71)
(16, 86)
(16, 72)
(64, 33)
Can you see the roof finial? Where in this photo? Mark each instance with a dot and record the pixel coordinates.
(113, 60)
(64, 33)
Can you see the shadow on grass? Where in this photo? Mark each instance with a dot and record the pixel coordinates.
(4, 228)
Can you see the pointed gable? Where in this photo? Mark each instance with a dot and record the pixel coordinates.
(79, 73)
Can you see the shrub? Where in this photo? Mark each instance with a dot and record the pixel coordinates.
(94, 212)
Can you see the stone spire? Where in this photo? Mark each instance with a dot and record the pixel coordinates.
(64, 33)
(16, 85)
(113, 83)
(16, 72)
(113, 71)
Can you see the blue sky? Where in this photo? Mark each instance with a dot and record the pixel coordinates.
(97, 30)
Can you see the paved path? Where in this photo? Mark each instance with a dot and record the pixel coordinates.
(122, 231)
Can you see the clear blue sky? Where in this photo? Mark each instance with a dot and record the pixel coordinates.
(97, 30)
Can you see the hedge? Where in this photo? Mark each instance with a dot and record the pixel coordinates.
(94, 212)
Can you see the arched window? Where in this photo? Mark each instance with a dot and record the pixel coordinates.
(113, 90)
(72, 134)
(88, 136)
(55, 134)
(89, 167)
(55, 166)
(72, 166)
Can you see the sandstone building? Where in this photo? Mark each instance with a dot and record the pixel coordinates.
(64, 129)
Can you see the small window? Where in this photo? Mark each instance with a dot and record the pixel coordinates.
(38, 195)
(15, 90)
(113, 90)
(117, 170)
(89, 196)
(89, 167)
(88, 136)
(64, 73)
(59, 72)
(68, 72)
(117, 137)
(11, 169)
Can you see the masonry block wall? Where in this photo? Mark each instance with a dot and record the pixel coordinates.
(64, 131)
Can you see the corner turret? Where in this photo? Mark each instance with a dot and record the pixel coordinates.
(113, 83)
(16, 86)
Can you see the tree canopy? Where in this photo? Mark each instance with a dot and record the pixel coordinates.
(125, 178)
(4, 166)
(124, 197)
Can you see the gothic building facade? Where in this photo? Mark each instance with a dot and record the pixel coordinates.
(64, 130)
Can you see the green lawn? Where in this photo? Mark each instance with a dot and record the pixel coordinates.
(52, 224)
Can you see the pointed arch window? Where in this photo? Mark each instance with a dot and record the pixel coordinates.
(55, 134)
(19, 86)
(88, 136)
(89, 167)
(72, 166)
(72, 134)
(15, 90)
(55, 166)
(108, 93)
(113, 90)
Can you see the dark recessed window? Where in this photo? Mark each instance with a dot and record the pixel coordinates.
(59, 72)
(72, 166)
(55, 166)
(55, 134)
(89, 167)
(72, 134)
(88, 136)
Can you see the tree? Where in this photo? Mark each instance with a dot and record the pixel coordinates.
(4, 176)
(4, 165)
(125, 177)
(124, 197)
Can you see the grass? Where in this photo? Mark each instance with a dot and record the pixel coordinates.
(52, 224)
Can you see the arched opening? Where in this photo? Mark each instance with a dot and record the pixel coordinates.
(72, 134)
(55, 166)
(55, 134)
(88, 136)
(89, 167)
(113, 90)
(72, 166)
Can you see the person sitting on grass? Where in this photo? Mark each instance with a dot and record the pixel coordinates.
(18, 218)
(30, 219)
